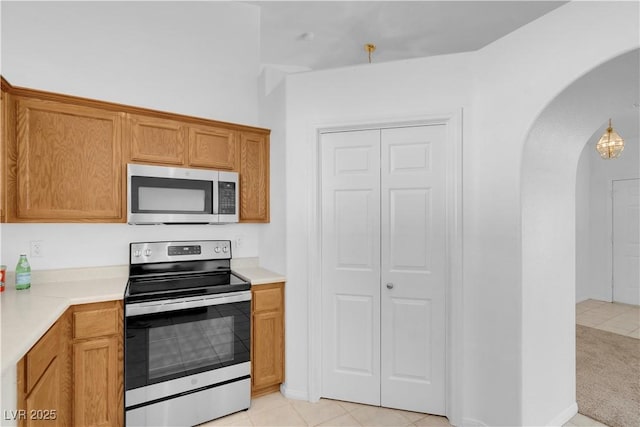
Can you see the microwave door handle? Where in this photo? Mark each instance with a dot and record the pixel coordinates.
(216, 196)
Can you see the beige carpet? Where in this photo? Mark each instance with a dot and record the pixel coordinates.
(608, 377)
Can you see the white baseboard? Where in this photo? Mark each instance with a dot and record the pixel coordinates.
(289, 393)
(564, 416)
(469, 422)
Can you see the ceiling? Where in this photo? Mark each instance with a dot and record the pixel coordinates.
(313, 35)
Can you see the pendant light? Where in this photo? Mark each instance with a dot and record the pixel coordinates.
(610, 144)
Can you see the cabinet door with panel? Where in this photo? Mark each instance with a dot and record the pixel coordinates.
(44, 384)
(67, 163)
(4, 97)
(254, 177)
(98, 364)
(212, 147)
(267, 343)
(156, 140)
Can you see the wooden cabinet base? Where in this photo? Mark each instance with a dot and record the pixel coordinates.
(267, 338)
(266, 390)
(73, 376)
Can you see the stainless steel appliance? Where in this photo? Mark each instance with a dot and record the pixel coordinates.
(167, 195)
(188, 331)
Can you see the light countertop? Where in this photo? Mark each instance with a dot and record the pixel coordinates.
(251, 270)
(259, 275)
(28, 314)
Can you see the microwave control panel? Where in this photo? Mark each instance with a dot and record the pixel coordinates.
(227, 198)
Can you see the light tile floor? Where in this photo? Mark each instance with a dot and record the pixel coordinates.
(623, 319)
(276, 410)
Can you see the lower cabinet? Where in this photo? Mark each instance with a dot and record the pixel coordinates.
(98, 365)
(267, 338)
(74, 374)
(44, 386)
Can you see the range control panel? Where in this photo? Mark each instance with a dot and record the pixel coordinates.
(185, 250)
(143, 253)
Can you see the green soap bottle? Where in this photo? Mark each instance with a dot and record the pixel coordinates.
(23, 273)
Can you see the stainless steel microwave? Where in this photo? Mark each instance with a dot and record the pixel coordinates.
(168, 195)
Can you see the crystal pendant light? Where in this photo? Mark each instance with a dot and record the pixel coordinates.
(610, 144)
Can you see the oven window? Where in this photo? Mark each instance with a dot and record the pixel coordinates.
(174, 344)
(188, 346)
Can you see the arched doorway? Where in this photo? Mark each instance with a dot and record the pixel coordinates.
(549, 166)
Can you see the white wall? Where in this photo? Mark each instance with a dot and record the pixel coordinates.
(519, 367)
(94, 245)
(194, 58)
(369, 94)
(583, 213)
(595, 177)
(549, 176)
(273, 116)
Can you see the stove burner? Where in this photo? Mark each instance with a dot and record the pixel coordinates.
(167, 274)
(157, 288)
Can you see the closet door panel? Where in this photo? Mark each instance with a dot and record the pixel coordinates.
(351, 266)
(413, 268)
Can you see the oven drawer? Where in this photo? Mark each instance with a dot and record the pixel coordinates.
(98, 322)
(193, 408)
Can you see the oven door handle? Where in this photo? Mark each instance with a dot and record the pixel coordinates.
(139, 309)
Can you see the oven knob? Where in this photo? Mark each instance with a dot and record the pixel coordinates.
(217, 249)
(225, 249)
(147, 252)
(137, 253)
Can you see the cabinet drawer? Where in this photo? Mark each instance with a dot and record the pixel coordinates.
(41, 355)
(268, 297)
(96, 323)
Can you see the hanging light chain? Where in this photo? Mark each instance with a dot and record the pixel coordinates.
(370, 48)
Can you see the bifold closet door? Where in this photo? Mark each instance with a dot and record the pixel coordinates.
(384, 267)
(413, 269)
(350, 165)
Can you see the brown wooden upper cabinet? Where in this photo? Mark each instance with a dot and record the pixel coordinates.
(65, 165)
(254, 177)
(156, 140)
(171, 142)
(63, 158)
(3, 153)
(214, 148)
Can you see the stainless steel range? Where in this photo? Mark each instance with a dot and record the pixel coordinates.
(187, 327)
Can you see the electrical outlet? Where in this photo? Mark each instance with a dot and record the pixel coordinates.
(239, 241)
(37, 248)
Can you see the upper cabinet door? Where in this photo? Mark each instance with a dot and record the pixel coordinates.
(67, 163)
(211, 147)
(156, 140)
(254, 177)
(3, 154)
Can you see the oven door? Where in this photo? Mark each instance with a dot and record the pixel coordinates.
(174, 347)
